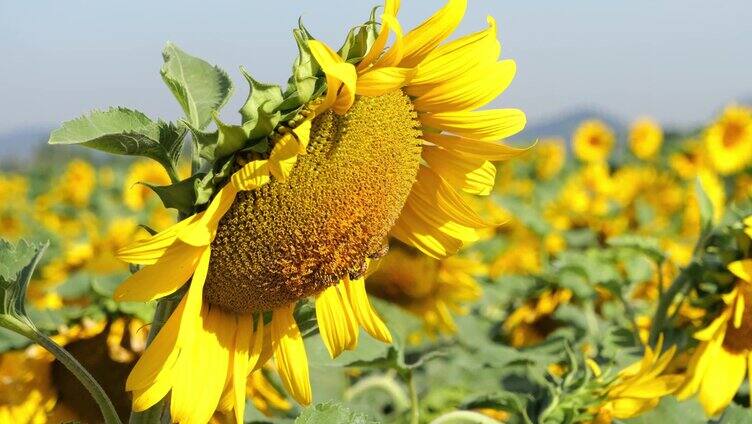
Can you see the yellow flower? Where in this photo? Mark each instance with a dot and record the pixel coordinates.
(532, 322)
(77, 183)
(431, 289)
(639, 387)
(593, 141)
(550, 157)
(265, 397)
(135, 195)
(26, 393)
(690, 160)
(645, 138)
(719, 364)
(384, 153)
(729, 140)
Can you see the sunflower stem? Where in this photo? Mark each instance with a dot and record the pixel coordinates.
(78, 370)
(414, 404)
(164, 309)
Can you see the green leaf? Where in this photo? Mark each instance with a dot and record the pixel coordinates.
(199, 87)
(122, 131)
(15, 277)
(646, 245)
(13, 259)
(670, 411)
(180, 195)
(736, 414)
(331, 412)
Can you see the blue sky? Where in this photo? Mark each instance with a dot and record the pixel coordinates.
(676, 60)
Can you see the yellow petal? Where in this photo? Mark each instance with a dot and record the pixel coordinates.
(167, 275)
(631, 407)
(423, 39)
(303, 132)
(365, 314)
(290, 354)
(148, 251)
(341, 78)
(432, 194)
(480, 149)
(383, 80)
(469, 174)
(388, 23)
(202, 231)
(416, 232)
(703, 355)
(394, 55)
(283, 156)
(203, 368)
(194, 301)
(251, 176)
(722, 379)
(159, 357)
(257, 346)
(337, 324)
(455, 58)
(484, 125)
(240, 364)
(742, 269)
(471, 90)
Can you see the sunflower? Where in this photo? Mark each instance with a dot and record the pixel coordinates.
(638, 387)
(592, 141)
(26, 393)
(729, 140)
(645, 138)
(384, 151)
(532, 321)
(78, 183)
(719, 364)
(551, 155)
(429, 288)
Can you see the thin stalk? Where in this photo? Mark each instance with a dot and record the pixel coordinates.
(664, 303)
(96, 391)
(414, 405)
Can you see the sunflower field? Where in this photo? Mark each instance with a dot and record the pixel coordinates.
(362, 246)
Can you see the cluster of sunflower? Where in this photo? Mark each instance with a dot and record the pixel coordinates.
(360, 248)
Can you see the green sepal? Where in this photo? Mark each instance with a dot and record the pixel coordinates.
(261, 110)
(180, 195)
(359, 40)
(201, 88)
(206, 185)
(303, 82)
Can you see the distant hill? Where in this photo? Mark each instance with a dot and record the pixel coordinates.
(564, 124)
(20, 144)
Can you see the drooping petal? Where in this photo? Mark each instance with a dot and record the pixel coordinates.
(148, 251)
(481, 149)
(337, 324)
(158, 358)
(203, 368)
(341, 78)
(388, 24)
(415, 232)
(469, 174)
(742, 269)
(164, 277)
(202, 231)
(722, 379)
(251, 176)
(365, 314)
(290, 354)
(303, 132)
(424, 38)
(240, 358)
(283, 156)
(483, 125)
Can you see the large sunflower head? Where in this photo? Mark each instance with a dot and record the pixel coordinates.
(367, 143)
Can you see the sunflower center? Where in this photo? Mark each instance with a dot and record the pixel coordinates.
(291, 239)
(739, 340)
(732, 134)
